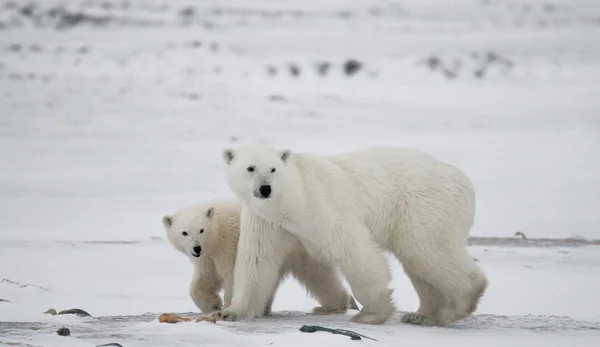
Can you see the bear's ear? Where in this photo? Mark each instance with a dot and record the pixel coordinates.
(228, 155)
(285, 155)
(210, 212)
(167, 221)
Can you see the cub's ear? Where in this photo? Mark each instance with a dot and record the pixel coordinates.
(228, 155)
(167, 221)
(210, 212)
(285, 155)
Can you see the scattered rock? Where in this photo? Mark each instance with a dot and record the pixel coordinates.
(196, 43)
(187, 12)
(352, 66)
(113, 344)
(76, 311)
(192, 96)
(51, 311)
(294, 70)
(27, 11)
(35, 48)
(271, 70)
(433, 62)
(15, 47)
(323, 68)
(63, 332)
(279, 98)
(3, 300)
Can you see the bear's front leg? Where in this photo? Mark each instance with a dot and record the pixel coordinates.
(205, 286)
(227, 290)
(260, 255)
(367, 270)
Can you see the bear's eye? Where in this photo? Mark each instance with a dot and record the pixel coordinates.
(184, 233)
(273, 170)
(250, 168)
(201, 231)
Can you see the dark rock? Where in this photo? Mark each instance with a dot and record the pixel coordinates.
(271, 70)
(76, 311)
(433, 62)
(51, 311)
(294, 70)
(187, 12)
(323, 68)
(15, 47)
(3, 300)
(35, 48)
(27, 11)
(63, 332)
(352, 66)
(278, 98)
(113, 344)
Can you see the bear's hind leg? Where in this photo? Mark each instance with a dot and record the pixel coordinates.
(430, 302)
(322, 282)
(454, 274)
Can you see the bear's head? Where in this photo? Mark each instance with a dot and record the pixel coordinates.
(187, 229)
(256, 172)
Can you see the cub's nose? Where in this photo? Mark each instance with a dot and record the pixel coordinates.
(197, 250)
(265, 191)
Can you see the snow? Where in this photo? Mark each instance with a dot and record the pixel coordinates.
(106, 128)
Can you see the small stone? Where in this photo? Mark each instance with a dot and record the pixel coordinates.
(51, 311)
(77, 311)
(112, 344)
(294, 70)
(3, 300)
(352, 66)
(323, 68)
(63, 332)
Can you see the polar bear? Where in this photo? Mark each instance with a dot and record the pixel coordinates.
(208, 234)
(347, 210)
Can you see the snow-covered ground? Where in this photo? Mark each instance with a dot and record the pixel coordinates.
(114, 113)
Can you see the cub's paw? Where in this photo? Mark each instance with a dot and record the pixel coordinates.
(225, 315)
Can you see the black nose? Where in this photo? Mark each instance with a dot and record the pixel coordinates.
(265, 190)
(197, 249)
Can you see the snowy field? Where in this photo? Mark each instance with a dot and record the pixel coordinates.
(114, 113)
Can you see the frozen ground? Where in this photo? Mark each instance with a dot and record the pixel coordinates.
(537, 295)
(114, 113)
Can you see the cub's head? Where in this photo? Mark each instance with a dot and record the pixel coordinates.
(256, 171)
(187, 229)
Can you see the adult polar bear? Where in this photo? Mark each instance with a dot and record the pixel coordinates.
(346, 209)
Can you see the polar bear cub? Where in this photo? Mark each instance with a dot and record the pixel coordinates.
(346, 210)
(208, 234)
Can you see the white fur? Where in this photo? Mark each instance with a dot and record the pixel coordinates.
(346, 210)
(215, 227)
